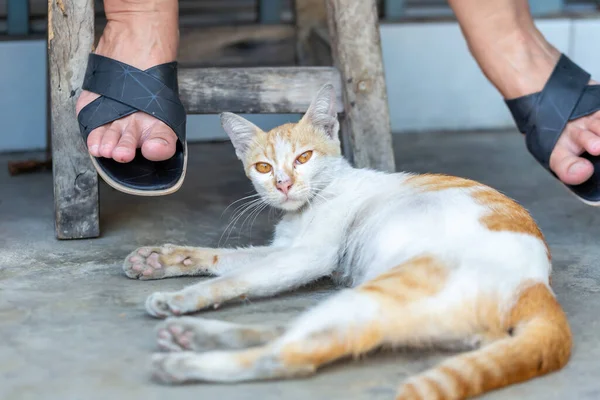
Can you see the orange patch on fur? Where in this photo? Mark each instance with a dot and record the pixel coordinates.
(416, 278)
(248, 357)
(552, 333)
(504, 213)
(437, 182)
(300, 134)
(215, 259)
(534, 339)
(328, 346)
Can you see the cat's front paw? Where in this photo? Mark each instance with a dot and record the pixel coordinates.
(162, 305)
(167, 261)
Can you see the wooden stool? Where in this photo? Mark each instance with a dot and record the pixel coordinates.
(357, 75)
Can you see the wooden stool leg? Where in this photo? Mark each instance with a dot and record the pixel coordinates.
(356, 48)
(70, 39)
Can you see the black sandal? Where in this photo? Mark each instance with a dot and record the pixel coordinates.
(542, 117)
(124, 90)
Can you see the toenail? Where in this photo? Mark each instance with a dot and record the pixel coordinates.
(577, 167)
(94, 148)
(159, 141)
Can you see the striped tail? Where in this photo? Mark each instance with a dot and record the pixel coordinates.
(540, 342)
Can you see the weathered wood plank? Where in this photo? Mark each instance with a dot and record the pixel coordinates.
(238, 45)
(254, 90)
(355, 41)
(70, 39)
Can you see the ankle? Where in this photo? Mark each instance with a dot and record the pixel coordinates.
(141, 38)
(518, 63)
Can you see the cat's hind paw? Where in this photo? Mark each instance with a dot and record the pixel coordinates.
(200, 334)
(172, 368)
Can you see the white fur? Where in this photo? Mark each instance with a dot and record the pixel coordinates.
(353, 225)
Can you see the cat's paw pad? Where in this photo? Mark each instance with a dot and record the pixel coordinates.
(148, 262)
(172, 368)
(176, 334)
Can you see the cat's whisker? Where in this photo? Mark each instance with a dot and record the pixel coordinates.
(237, 201)
(257, 214)
(243, 208)
(248, 206)
(249, 216)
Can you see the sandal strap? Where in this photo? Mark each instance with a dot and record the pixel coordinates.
(124, 90)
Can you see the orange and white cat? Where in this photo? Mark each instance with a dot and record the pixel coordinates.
(429, 260)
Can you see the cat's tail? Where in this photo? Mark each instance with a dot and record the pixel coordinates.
(538, 342)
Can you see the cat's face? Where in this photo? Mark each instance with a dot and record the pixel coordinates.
(292, 162)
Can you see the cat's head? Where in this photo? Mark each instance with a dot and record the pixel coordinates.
(292, 162)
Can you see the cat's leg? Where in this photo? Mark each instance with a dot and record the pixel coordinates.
(397, 308)
(170, 260)
(280, 271)
(342, 325)
(200, 334)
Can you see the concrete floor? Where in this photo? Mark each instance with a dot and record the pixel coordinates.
(73, 326)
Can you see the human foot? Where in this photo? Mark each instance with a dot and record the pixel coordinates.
(521, 64)
(142, 35)
(579, 136)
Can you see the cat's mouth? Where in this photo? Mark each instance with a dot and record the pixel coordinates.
(291, 202)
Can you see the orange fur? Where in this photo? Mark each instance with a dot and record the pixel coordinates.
(504, 213)
(198, 257)
(300, 134)
(331, 345)
(437, 182)
(539, 343)
(417, 278)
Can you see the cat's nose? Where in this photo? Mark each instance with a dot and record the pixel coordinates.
(284, 186)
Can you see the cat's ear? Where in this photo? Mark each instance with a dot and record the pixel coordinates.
(240, 131)
(322, 112)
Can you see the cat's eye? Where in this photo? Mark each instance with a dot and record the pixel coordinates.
(304, 157)
(263, 167)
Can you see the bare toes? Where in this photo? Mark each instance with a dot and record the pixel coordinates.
(94, 140)
(125, 150)
(109, 141)
(570, 168)
(585, 139)
(159, 143)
